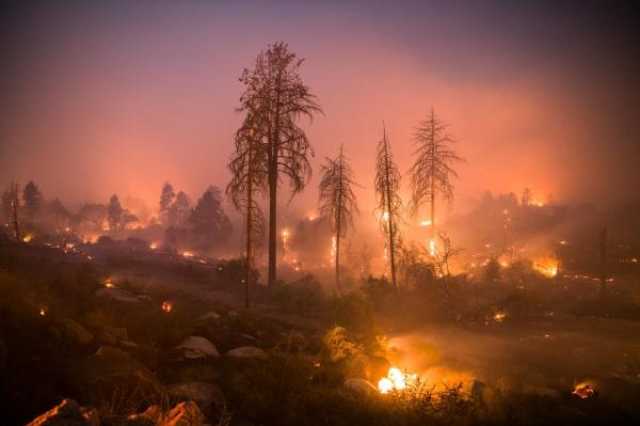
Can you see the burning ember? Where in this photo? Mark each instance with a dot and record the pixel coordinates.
(108, 283)
(27, 238)
(43, 311)
(153, 246)
(396, 380)
(547, 266)
(584, 390)
(499, 316)
(187, 254)
(167, 306)
(433, 248)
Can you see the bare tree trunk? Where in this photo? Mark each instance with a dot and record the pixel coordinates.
(433, 187)
(273, 188)
(249, 226)
(392, 250)
(339, 225)
(16, 221)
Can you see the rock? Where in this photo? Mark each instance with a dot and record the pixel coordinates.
(360, 387)
(194, 347)
(67, 413)
(210, 316)
(112, 335)
(183, 414)
(150, 417)
(114, 364)
(75, 332)
(206, 395)
(128, 344)
(117, 294)
(247, 352)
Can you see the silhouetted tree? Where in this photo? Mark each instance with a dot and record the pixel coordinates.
(167, 197)
(208, 221)
(115, 213)
(337, 200)
(275, 95)
(33, 200)
(93, 213)
(180, 210)
(389, 203)
(11, 208)
(248, 179)
(432, 171)
(58, 214)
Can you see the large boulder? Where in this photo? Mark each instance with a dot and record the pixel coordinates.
(208, 396)
(209, 316)
(118, 294)
(360, 387)
(183, 414)
(194, 347)
(74, 332)
(150, 417)
(112, 335)
(247, 352)
(67, 413)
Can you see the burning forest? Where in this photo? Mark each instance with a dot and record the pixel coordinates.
(347, 214)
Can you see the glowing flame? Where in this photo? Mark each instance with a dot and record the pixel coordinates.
(547, 266)
(153, 246)
(167, 307)
(187, 254)
(433, 248)
(584, 390)
(500, 316)
(396, 380)
(334, 248)
(425, 223)
(27, 238)
(108, 283)
(43, 311)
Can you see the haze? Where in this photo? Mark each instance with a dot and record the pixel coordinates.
(119, 98)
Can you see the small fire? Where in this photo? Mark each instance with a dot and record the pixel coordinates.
(433, 248)
(425, 223)
(334, 248)
(153, 246)
(547, 266)
(499, 316)
(187, 254)
(396, 380)
(43, 311)
(108, 283)
(584, 390)
(167, 306)
(27, 238)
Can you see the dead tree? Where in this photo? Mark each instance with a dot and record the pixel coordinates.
(389, 203)
(276, 96)
(432, 171)
(248, 180)
(338, 201)
(15, 209)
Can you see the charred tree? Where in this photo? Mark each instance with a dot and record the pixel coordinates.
(432, 172)
(248, 180)
(338, 201)
(15, 209)
(275, 95)
(389, 203)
